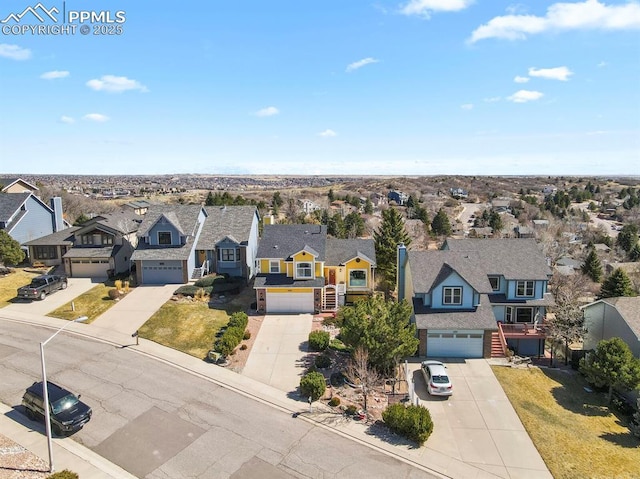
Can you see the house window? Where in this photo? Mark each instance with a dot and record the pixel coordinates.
(45, 252)
(358, 278)
(508, 317)
(164, 237)
(452, 296)
(304, 270)
(495, 282)
(524, 288)
(524, 315)
(107, 239)
(87, 239)
(274, 266)
(229, 254)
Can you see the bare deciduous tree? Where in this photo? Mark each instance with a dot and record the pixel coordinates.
(359, 371)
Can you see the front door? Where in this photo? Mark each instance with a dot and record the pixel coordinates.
(332, 276)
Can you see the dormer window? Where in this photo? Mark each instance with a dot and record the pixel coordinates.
(495, 282)
(274, 266)
(164, 237)
(452, 296)
(304, 270)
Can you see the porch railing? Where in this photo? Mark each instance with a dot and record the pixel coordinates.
(523, 329)
(503, 341)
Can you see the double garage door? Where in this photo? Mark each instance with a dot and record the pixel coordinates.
(289, 302)
(162, 272)
(454, 344)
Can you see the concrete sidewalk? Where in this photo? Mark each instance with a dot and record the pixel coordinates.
(426, 458)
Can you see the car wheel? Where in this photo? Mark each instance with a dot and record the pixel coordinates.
(64, 285)
(42, 296)
(56, 429)
(30, 414)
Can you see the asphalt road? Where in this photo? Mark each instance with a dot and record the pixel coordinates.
(157, 421)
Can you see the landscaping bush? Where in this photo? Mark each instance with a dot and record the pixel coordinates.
(412, 422)
(226, 344)
(247, 334)
(114, 294)
(208, 281)
(64, 474)
(191, 290)
(338, 345)
(351, 410)
(318, 340)
(334, 401)
(243, 347)
(322, 361)
(313, 384)
(233, 334)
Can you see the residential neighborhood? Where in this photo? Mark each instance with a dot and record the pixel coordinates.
(478, 298)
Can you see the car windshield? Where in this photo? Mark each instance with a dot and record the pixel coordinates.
(36, 283)
(64, 403)
(440, 379)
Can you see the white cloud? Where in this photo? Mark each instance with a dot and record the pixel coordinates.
(587, 15)
(268, 111)
(14, 52)
(54, 74)
(114, 84)
(360, 63)
(492, 99)
(97, 117)
(327, 133)
(467, 106)
(67, 119)
(519, 79)
(523, 96)
(558, 73)
(424, 8)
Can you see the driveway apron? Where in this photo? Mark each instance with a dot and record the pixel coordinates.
(277, 357)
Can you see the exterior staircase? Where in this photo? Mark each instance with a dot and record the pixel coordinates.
(197, 273)
(496, 346)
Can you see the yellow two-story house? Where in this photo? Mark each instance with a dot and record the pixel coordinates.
(301, 270)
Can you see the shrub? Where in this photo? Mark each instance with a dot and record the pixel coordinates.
(239, 320)
(200, 294)
(334, 401)
(207, 281)
(351, 410)
(313, 384)
(318, 340)
(118, 284)
(337, 345)
(247, 334)
(64, 474)
(243, 347)
(187, 290)
(114, 293)
(412, 422)
(226, 344)
(322, 361)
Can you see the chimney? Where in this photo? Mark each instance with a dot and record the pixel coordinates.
(56, 206)
(401, 259)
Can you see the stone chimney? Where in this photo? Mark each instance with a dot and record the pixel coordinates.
(401, 261)
(56, 206)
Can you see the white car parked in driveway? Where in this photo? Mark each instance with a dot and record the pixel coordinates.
(435, 375)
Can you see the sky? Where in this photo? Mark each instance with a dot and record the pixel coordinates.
(338, 87)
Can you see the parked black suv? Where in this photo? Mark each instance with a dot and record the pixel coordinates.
(67, 412)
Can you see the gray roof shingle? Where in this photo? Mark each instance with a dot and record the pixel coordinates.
(10, 203)
(282, 241)
(62, 237)
(429, 268)
(233, 222)
(481, 317)
(339, 251)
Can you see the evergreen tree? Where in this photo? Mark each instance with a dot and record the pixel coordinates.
(276, 201)
(634, 254)
(209, 201)
(331, 195)
(495, 221)
(592, 266)
(628, 237)
(368, 207)
(10, 251)
(618, 284)
(411, 202)
(335, 226)
(80, 220)
(353, 225)
(441, 225)
(391, 233)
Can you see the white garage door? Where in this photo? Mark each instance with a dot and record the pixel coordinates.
(289, 302)
(84, 268)
(454, 344)
(162, 272)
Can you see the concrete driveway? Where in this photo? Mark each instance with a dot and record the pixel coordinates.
(277, 356)
(75, 287)
(135, 308)
(477, 424)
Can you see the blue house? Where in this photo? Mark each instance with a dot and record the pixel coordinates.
(398, 197)
(477, 297)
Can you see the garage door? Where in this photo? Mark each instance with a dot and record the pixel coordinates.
(289, 302)
(162, 272)
(94, 268)
(454, 344)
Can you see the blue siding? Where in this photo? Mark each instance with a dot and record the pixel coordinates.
(36, 223)
(454, 280)
(539, 289)
(161, 226)
(232, 268)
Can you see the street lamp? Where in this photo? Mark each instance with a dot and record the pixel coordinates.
(45, 390)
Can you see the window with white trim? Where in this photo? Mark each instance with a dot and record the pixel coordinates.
(525, 288)
(495, 282)
(452, 295)
(274, 266)
(358, 278)
(524, 315)
(304, 270)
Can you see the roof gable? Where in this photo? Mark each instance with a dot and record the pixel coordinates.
(184, 218)
(233, 222)
(431, 268)
(341, 251)
(283, 241)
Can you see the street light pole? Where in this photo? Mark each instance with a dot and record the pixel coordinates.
(45, 391)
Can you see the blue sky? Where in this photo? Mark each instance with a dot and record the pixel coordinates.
(416, 87)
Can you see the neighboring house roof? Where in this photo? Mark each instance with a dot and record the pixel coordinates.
(480, 317)
(124, 222)
(10, 203)
(63, 237)
(138, 204)
(92, 252)
(430, 268)
(512, 258)
(233, 222)
(629, 309)
(7, 182)
(339, 251)
(283, 241)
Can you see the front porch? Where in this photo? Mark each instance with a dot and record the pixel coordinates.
(525, 339)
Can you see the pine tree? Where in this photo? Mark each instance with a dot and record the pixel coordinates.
(331, 195)
(592, 267)
(368, 207)
(628, 237)
(209, 201)
(495, 221)
(391, 233)
(618, 284)
(441, 225)
(634, 254)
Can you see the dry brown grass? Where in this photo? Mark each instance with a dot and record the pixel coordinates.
(10, 283)
(91, 304)
(574, 431)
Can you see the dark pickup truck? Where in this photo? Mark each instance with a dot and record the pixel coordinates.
(41, 286)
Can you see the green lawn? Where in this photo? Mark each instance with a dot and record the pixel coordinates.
(91, 303)
(10, 283)
(574, 431)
